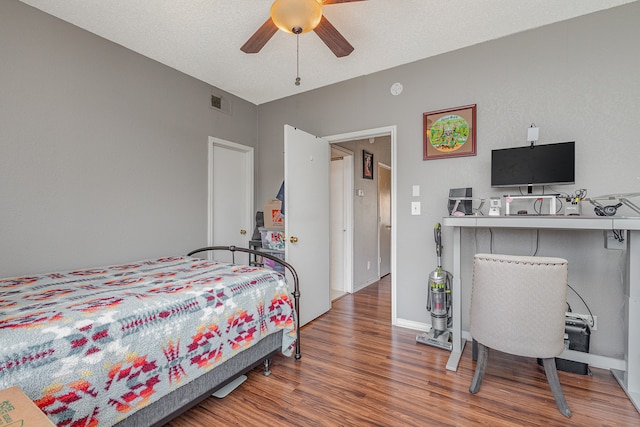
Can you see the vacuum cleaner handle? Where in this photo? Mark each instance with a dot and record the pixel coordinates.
(437, 236)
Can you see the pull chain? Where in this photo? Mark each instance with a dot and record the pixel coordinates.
(297, 60)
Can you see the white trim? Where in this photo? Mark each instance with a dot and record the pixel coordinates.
(248, 151)
(370, 133)
(348, 221)
(412, 324)
(383, 166)
(365, 284)
(595, 360)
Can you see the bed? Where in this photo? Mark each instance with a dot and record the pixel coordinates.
(136, 344)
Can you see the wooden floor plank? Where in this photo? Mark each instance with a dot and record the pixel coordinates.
(358, 370)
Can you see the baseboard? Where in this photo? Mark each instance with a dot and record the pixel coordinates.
(423, 327)
(364, 285)
(597, 361)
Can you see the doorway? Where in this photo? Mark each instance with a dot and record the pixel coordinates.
(341, 221)
(389, 132)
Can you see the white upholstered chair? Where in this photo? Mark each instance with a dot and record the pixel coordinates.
(518, 306)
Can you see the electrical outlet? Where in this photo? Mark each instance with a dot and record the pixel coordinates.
(415, 208)
(587, 318)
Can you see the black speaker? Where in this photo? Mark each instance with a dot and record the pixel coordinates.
(576, 337)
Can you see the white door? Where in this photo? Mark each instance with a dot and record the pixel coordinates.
(384, 211)
(230, 196)
(306, 201)
(341, 194)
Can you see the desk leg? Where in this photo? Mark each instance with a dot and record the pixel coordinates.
(629, 379)
(456, 324)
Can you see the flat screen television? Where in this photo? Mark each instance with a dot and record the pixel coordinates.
(547, 164)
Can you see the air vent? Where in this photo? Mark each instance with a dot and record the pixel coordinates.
(220, 103)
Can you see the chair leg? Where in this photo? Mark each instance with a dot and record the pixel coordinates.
(554, 383)
(481, 366)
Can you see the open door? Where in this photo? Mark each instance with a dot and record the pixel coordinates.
(306, 213)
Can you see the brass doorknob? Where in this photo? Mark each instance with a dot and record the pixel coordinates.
(293, 239)
(243, 232)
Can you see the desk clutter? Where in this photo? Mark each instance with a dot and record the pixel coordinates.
(268, 239)
(462, 203)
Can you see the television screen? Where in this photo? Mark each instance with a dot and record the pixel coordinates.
(537, 165)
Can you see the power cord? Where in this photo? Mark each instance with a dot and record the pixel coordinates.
(618, 235)
(591, 322)
(537, 241)
(579, 196)
(490, 241)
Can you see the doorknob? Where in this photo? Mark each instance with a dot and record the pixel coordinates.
(293, 239)
(243, 232)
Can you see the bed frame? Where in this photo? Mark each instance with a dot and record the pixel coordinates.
(189, 395)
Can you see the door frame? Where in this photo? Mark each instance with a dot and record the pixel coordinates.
(249, 159)
(383, 166)
(348, 191)
(372, 133)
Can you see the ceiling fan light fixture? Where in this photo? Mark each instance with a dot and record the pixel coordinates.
(296, 16)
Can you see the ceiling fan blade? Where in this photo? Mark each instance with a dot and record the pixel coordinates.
(332, 38)
(260, 37)
(325, 2)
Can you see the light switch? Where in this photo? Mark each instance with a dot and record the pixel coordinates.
(416, 191)
(415, 208)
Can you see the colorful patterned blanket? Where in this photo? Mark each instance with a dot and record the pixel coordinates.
(92, 346)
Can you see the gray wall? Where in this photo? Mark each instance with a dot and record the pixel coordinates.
(577, 80)
(103, 152)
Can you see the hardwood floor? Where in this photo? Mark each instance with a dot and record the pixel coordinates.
(358, 370)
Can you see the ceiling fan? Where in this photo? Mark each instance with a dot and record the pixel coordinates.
(297, 17)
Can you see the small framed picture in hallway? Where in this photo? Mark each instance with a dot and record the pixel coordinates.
(367, 165)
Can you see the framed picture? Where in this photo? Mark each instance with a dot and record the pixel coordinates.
(367, 165)
(449, 133)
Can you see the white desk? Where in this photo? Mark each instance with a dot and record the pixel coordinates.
(629, 378)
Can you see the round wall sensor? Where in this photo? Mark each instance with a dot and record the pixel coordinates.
(396, 89)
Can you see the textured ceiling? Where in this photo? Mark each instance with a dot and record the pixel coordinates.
(202, 38)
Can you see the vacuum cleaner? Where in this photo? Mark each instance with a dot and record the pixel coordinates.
(438, 302)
